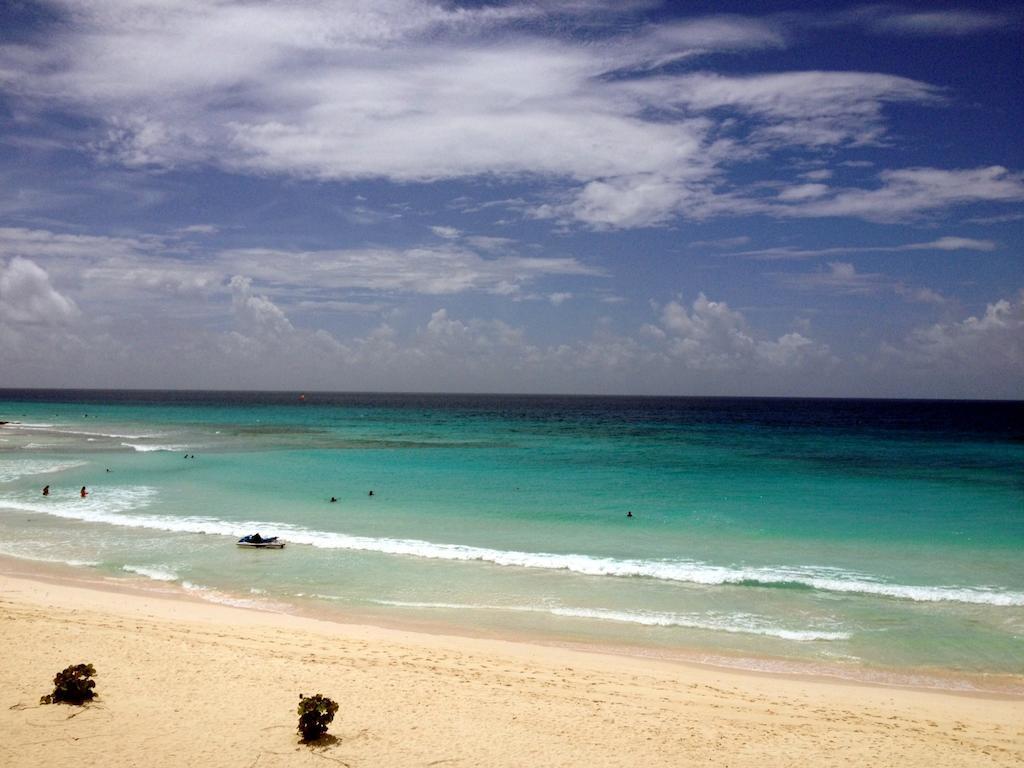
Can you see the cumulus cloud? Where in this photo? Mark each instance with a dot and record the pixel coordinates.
(257, 313)
(958, 356)
(113, 269)
(137, 270)
(711, 336)
(27, 297)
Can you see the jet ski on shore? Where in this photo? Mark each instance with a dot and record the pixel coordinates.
(255, 541)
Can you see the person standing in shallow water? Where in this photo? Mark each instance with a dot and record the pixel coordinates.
(83, 493)
(46, 490)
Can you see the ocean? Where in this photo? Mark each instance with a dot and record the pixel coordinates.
(877, 540)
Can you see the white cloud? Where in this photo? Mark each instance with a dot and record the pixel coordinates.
(638, 200)
(722, 242)
(921, 295)
(803, 192)
(406, 91)
(840, 277)
(112, 270)
(908, 193)
(426, 270)
(142, 272)
(795, 108)
(959, 356)
(28, 298)
(256, 313)
(817, 175)
(490, 243)
(711, 336)
(661, 44)
(952, 244)
(943, 23)
(198, 229)
(42, 243)
(448, 233)
(366, 215)
(559, 297)
(843, 278)
(947, 243)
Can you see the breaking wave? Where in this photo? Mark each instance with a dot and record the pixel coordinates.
(143, 448)
(120, 506)
(156, 574)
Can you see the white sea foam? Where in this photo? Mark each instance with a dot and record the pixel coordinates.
(113, 434)
(157, 574)
(116, 503)
(143, 448)
(744, 623)
(11, 470)
(687, 571)
(735, 623)
(64, 430)
(211, 595)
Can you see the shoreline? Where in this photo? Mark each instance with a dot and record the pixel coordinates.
(952, 682)
(169, 669)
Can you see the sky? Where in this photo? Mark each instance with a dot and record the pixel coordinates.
(557, 196)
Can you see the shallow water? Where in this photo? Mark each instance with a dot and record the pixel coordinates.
(879, 536)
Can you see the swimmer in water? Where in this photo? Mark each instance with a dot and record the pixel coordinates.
(370, 493)
(46, 490)
(83, 493)
(629, 514)
(333, 500)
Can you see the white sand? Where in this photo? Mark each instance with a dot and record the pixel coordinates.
(183, 683)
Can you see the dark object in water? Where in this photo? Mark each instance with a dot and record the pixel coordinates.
(256, 541)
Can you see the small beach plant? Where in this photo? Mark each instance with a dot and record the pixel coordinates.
(315, 714)
(73, 685)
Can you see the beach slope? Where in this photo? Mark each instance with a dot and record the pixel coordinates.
(188, 683)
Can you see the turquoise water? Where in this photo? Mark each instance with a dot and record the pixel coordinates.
(879, 539)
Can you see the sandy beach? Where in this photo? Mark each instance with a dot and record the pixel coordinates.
(183, 682)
